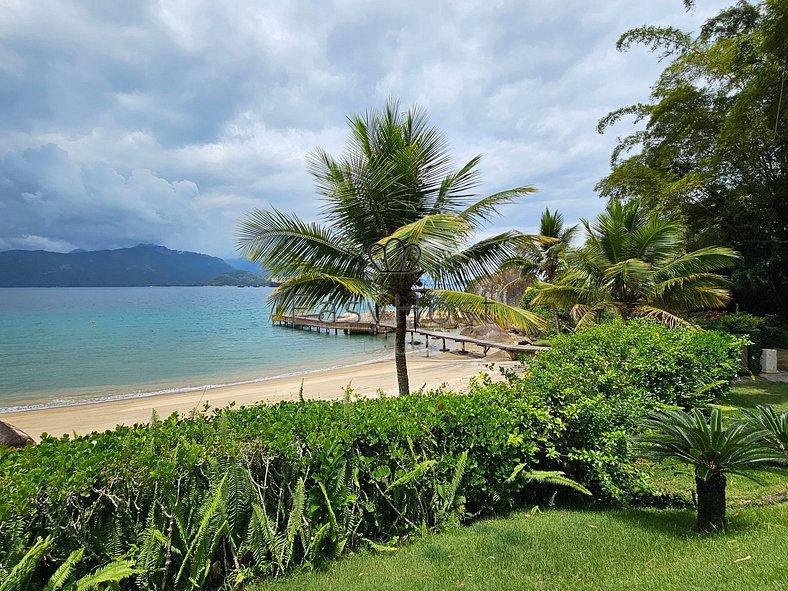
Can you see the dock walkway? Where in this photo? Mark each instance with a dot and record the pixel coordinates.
(354, 326)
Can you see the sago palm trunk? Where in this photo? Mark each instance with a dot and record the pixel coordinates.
(399, 348)
(711, 502)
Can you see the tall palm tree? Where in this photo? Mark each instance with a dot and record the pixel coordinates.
(394, 187)
(548, 255)
(713, 450)
(634, 264)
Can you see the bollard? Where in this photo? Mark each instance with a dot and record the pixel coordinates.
(769, 361)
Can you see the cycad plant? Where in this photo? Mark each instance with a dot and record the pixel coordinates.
(395, 187)
(634, 263)
(712, 449)
(772, 425)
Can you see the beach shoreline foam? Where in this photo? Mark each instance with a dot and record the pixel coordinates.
(366, 379)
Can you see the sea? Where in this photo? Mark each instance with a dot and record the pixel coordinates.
(66, 346)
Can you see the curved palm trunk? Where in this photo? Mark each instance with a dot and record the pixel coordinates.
(399, 349)
(711, 502)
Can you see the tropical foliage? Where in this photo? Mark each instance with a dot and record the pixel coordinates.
(395, 187)
(714, 149)
(713, 450)
(202, 501)
(634, 263)
(544, 259)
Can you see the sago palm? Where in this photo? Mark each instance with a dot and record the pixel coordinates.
(634, 264)
(394, 187)
(712, 449)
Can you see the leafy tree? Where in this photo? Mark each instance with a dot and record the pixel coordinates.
(634, 264)
(712, 449)
(714, 149)
(395, 187)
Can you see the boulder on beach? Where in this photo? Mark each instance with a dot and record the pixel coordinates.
(10, 436)
(488, 332)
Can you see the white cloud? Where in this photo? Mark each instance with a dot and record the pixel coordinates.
(164, 121)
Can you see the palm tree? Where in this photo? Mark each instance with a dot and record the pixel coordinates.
(547, 255)
(712, 450)
(634, 264)
(394, 187)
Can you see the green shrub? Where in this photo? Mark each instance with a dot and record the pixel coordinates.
(258, 490)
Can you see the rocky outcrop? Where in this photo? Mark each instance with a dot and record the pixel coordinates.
(488, 332)
(10, 436)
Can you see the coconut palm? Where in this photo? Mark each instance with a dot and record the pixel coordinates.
(547, 255)
(712, 449)
(395, 188)
(634, 264)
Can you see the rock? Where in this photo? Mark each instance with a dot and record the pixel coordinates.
(488, 332)
(10, 436)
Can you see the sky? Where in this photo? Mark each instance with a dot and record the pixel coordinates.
(164, 121)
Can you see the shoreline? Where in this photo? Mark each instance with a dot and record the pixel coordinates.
(366, 378)
(164, 391)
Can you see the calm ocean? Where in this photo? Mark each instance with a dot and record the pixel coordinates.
(64, 345)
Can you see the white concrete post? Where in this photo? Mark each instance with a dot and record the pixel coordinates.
(769, 360)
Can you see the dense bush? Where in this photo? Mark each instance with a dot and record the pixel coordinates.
(260, 489)
(763, 332)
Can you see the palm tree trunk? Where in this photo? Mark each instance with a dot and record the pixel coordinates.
(555, 319)
(711, 502)
(399, 348)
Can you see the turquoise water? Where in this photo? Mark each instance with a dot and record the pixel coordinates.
(68, 345)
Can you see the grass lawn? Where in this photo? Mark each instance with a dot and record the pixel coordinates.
(632, 549)
(578, 550)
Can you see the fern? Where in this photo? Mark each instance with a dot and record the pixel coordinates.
(112, 573)
(205, 540)
(19, 577)
(554, 477)
(64, 571)
(415, 473)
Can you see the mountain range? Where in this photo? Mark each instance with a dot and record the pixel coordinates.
(141, 265)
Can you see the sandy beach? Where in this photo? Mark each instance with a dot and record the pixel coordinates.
(451, 369)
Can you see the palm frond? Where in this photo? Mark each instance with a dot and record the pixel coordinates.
(484, 209)
(482, 309)
(704, 260)
(287, 246)
(706, 444)
(772, 426)
(438, 236)
(482, 260)
(310, 291)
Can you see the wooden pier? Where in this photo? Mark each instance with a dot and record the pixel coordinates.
(354, 326)
(337, 325)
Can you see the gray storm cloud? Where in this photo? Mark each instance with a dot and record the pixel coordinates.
(164, 122)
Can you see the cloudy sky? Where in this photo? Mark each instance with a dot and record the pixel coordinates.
(164, 121)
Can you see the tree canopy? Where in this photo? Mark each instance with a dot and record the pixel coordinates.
(634, 263)
(714, 149)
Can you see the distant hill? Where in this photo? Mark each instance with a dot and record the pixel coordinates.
(142, 265)
(240, 279)
(245, 265)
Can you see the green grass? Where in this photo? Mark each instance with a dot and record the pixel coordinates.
(594, 550)
(579, 550)
(750, 393)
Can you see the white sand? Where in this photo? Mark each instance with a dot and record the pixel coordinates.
(449, 369)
